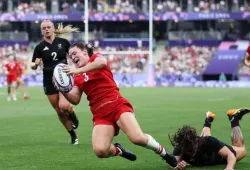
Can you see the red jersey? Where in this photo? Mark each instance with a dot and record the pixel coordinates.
(248, 49)
(12, 68)
(99, 86)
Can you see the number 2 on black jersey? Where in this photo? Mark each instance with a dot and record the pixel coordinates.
(54, 55)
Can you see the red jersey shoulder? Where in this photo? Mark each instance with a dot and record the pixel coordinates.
(94, 56)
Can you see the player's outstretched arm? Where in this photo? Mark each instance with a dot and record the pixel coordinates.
(98, 64)
(74, 96)
(231, 159)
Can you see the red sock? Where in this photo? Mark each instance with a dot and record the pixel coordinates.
(117, 151)
(159, 151)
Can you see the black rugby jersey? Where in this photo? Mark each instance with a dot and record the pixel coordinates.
(208, 153)
(52, 54)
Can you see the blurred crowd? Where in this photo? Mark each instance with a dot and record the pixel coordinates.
(73, 7)
(121, 48)
(126, 63)
(132, 6)
(185, 60)
(175, 61)
(119, 6)
(32, 8)
(202, 5)
(119, 63)
(244, 70)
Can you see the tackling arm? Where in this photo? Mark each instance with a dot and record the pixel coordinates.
(231, 159)
(181, 165)
(98, 64)
(74, 96)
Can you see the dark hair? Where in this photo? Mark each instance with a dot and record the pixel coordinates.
(186, 140)
(89, 47)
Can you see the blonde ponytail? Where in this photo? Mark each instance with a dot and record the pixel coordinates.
(65, 30)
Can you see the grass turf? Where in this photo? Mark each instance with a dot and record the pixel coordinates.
(33, 138)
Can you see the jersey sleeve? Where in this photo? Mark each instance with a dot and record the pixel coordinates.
(215, 144)
(67, 45)
(36, 54)
(94, 56)
(248, 50)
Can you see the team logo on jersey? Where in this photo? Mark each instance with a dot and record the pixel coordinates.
(59, 46)
(45, 48)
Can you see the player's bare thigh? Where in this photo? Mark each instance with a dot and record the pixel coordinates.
(54, 100)
(129, 125)
(102, 137)
(20, 80)
(13, 84)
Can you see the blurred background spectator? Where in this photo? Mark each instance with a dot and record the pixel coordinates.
(185, 60)
(123, 6)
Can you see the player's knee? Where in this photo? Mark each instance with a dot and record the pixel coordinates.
(14, 84)
(101, 152)
(57, 109)
(64, 106)
(138, 139)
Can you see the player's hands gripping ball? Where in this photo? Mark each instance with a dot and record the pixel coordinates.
(70, 70)
(62, 82)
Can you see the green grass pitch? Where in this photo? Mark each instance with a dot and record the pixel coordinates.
(31, 136)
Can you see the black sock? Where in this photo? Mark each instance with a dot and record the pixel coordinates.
(71, 112)
(72, 133)
(208, 122)
(234, 122)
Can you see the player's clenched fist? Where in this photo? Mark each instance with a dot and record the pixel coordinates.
(38, 61)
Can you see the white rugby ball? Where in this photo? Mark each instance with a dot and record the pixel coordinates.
(62, 81)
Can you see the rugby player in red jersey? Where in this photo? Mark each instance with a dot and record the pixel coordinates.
(11, 72)
(110, 110)
(20, 80)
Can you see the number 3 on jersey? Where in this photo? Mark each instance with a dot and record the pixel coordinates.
(54, 55)
(86, 77)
